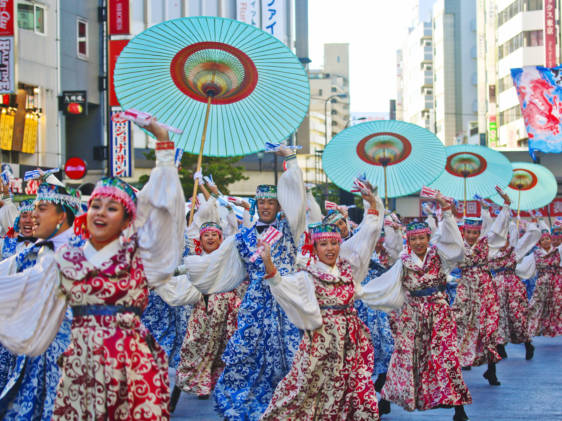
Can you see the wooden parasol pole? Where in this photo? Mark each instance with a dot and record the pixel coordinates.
(518, 207)
(464, 210)
(385, 189)
(200, 160)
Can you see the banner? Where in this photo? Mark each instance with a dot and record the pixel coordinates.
(540, 94)
(7, 65)
(549, 33)
(119, 17)
(248, 11)
(274, 18)
(7, 18)
(30, 133)
(115, 48)
(120, 147)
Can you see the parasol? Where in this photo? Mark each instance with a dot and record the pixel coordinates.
(400, 156)
(532, 186)
(480, 168)
(228, 85)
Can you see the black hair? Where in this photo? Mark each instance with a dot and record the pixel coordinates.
(69, 214)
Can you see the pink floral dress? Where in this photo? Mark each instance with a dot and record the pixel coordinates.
(545, 309)
(113, 369)
(330, 378)
(424, 370)
(512, 295)
(476, 308)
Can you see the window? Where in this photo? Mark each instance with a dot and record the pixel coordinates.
(319, 92)
(82, 38)
(518, 6)
(509, 115)
(334, 89)
(31, 17)
(522, 39)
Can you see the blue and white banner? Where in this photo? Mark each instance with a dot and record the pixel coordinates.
(274, 19)
(540, 95)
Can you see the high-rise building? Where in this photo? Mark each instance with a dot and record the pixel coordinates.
(454, 71)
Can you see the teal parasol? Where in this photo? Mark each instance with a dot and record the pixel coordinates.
(400, 156)
(473, 170)
(532, 186)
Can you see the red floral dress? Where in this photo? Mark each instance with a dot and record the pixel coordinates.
(512, 295)
(545, 309)
(424, 370)
(210, 327)
(476, 308)
(330, 378)
(113, 369)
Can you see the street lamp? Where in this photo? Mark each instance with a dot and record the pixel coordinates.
(357, 119)
(329, 99)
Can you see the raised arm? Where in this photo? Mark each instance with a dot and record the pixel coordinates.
(160, 218)
(449, 241)
(291, 195)
(314, 211)
(498, 232)
(208, 211)
(8, 214)
(526, 243)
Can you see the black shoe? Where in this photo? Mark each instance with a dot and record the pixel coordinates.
(466, 368)
(174, 399)
(384, 407)
(203, 397)
(491, 377)
(379, 383)
(501, 350)
(529, 351)
(460, 415)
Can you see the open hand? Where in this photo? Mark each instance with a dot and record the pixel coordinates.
(159, 132)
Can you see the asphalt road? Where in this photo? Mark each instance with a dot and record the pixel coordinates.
(530, 390)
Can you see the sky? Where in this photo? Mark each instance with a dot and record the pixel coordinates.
(374, 29)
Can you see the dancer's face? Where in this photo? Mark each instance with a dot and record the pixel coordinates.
(210, 241)
(327, 250)
(26, 224)
(344, 229)
(267, 210)
(46, 217)
(556, 240)
(471, 235)
(419, 244)
(105, 221)
(545, 242)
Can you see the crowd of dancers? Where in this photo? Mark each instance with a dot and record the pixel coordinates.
(287, 314)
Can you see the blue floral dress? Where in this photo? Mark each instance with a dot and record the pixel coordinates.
(260, 352)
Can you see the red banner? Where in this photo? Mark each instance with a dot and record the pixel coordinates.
(7, 18)
(119, 17)
(115, 48)
(550, 33)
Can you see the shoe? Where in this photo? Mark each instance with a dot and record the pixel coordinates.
(466, 368)
(203, 397)
(379, 383)
(491, 377)
(460, 415)
(529, 351)
(384, 407)
(174, 399)
(501, 350)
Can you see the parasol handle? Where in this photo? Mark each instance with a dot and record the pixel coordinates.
(385, 189)
(200, 160)
(518, 207)
(464, 210)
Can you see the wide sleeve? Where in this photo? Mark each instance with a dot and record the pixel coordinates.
(246, 219)
(208, 211)
(179, 291)
(231, 224)
(358, 249)
(314, 211)
(31, 307)
(292, 198)
(449, 241)
(160, 220)
(385, 292)
(295, 294)
(487, 220)
(393, 242)
(527, 267)
(526, 243)
(498, 233)
(8, 214)
(220, 271)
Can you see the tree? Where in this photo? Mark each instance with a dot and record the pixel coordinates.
(223, 170)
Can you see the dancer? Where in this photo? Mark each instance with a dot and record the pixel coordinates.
(476, 305)
(29, 391)
(424, 371)
(260, 352)
(514, 305)
(20, 235)
(112, 369)
(331, 373)
(545, 309)
(214, 318)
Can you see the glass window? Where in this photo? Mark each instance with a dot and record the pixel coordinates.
(31, 17)
(82, 38)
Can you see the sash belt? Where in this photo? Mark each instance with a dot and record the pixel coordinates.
(427, 291)
(103, 310)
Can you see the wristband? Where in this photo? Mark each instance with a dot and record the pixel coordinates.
(292, 156)
(270, 275)
(447, 208)
(372, 212)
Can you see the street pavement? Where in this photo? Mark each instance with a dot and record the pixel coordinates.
(530, 390)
